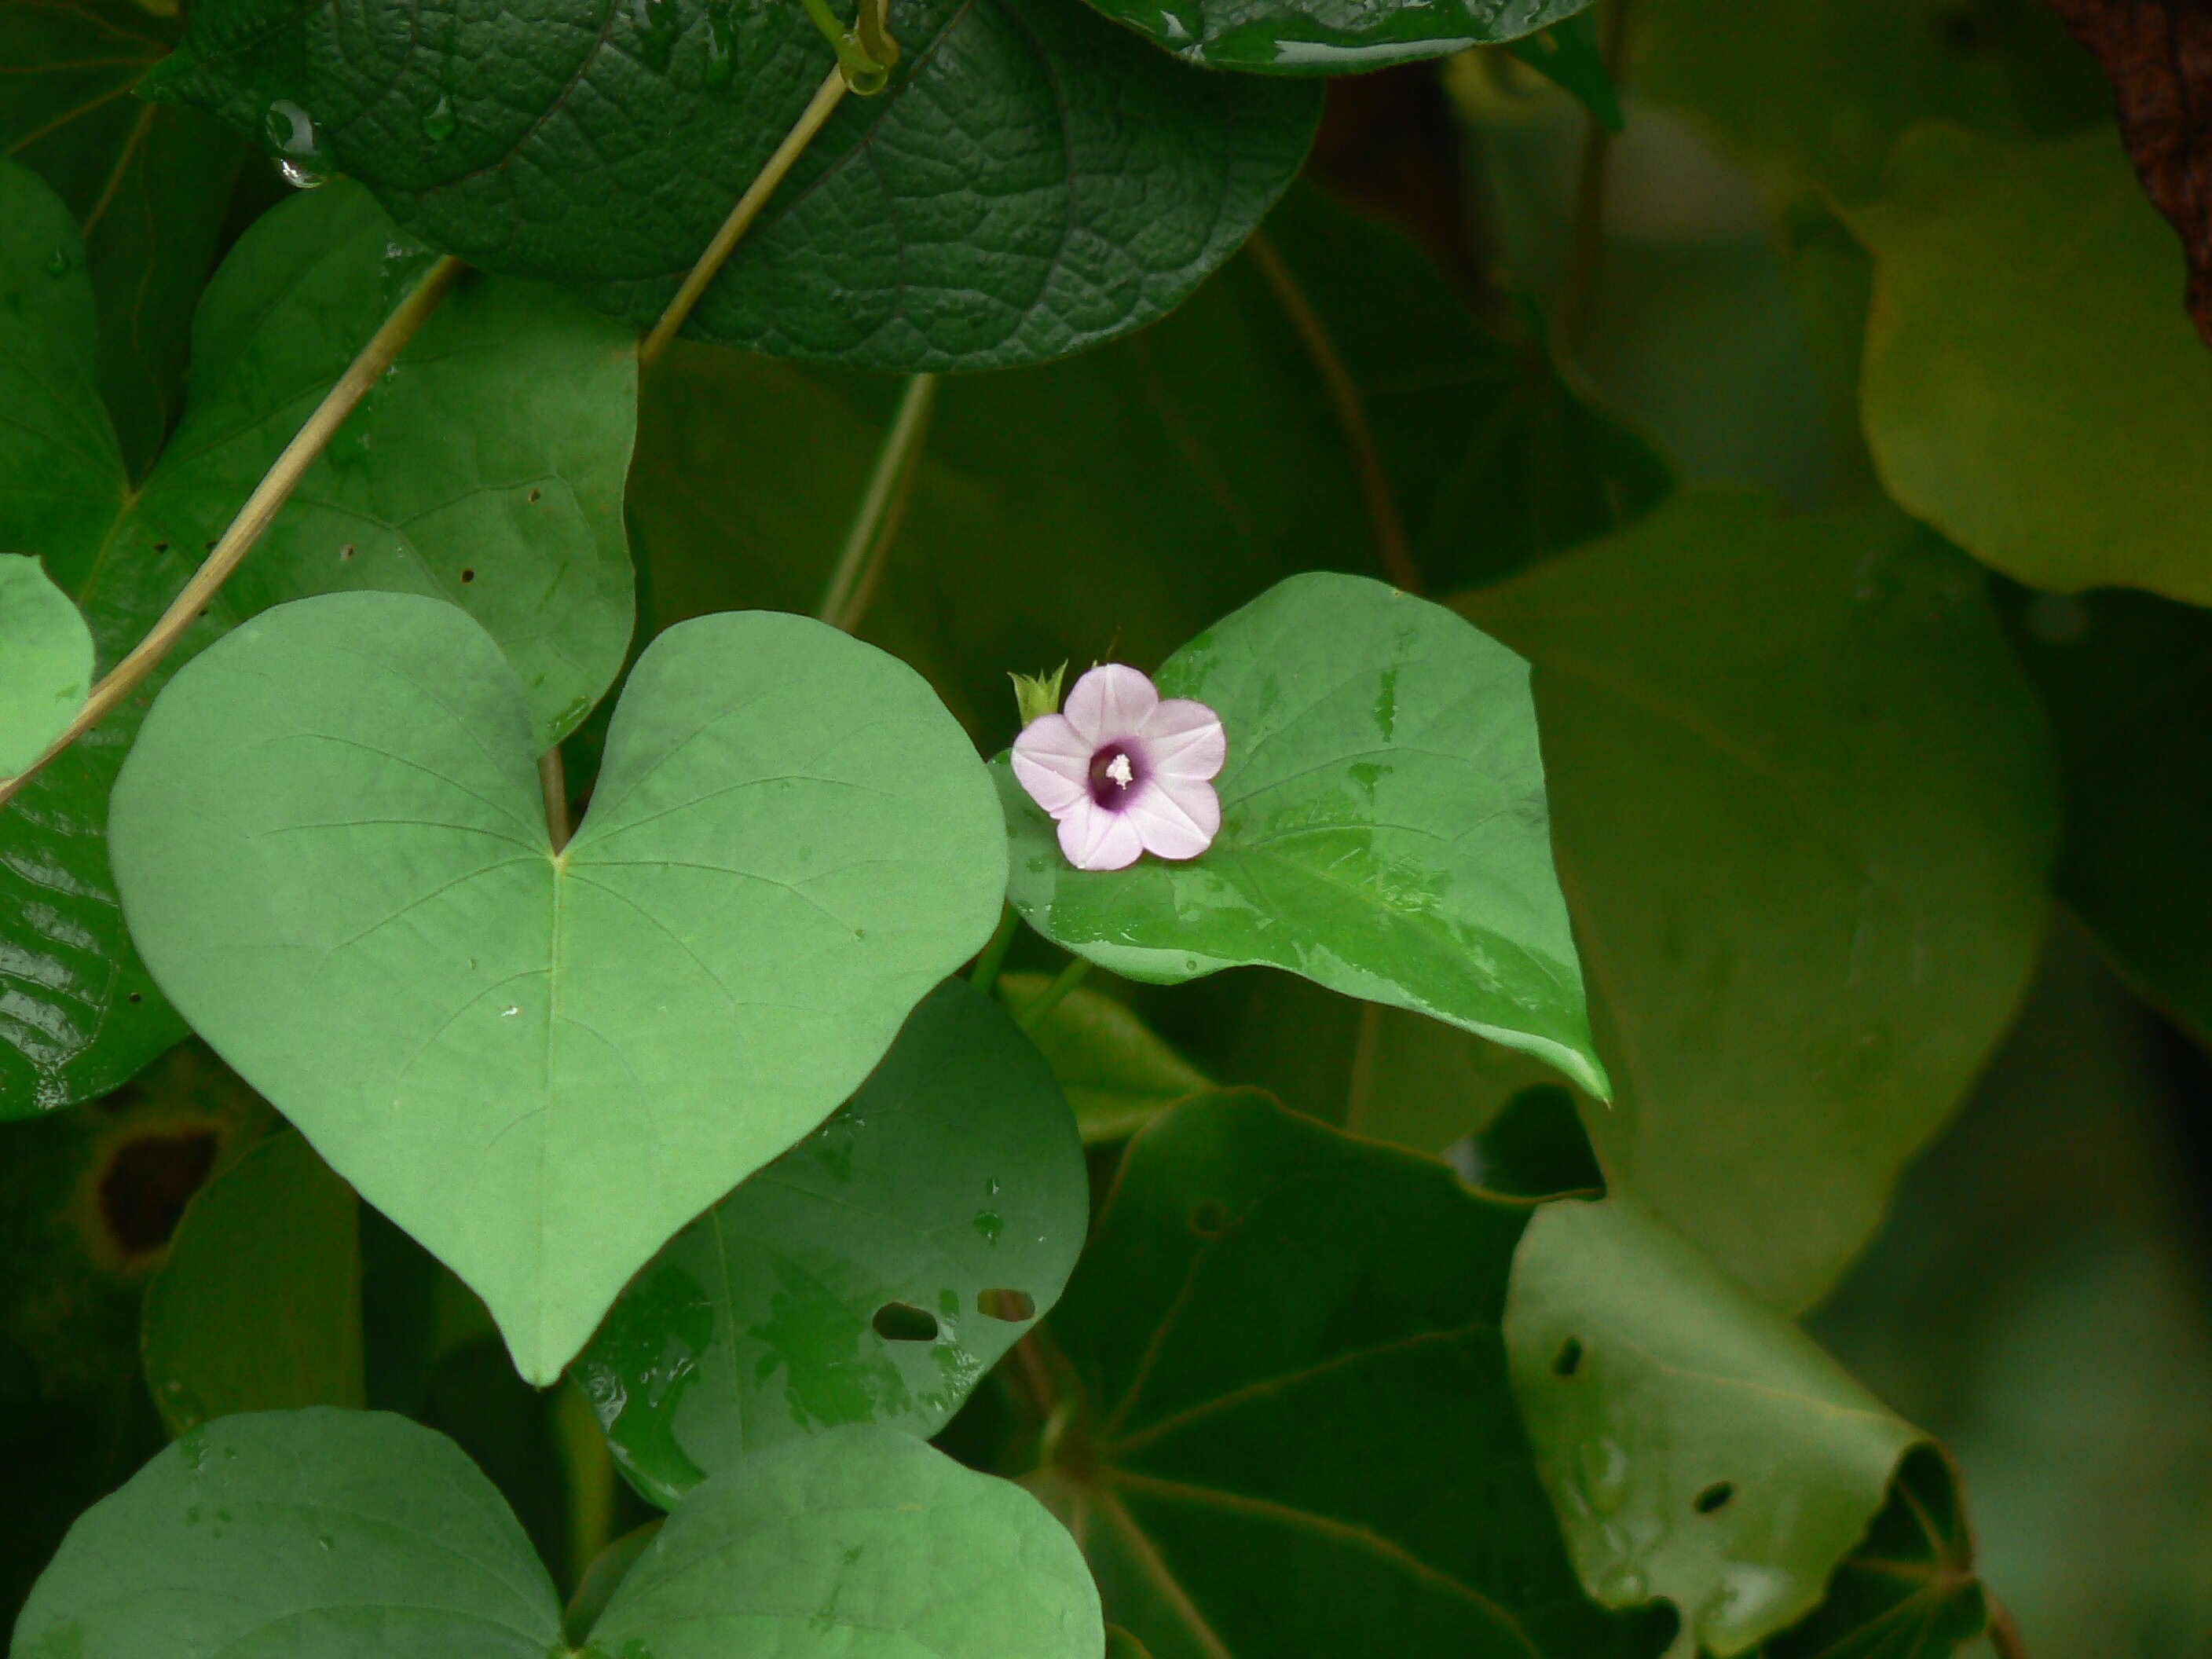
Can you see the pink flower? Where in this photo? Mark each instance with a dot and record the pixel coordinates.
(1125, 772)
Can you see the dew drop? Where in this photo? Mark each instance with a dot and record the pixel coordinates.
(440, 122)
(1625, 1587)
(59, 262)
(298, 177)
(990, 1224)
(1601, 1471)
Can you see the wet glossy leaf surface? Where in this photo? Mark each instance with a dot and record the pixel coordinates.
(1966, 267)
(486, 469)
(1698, 1449)
(45, 661)
(542, 1066)
(317, 1534)
(1803, 808)
(1116, 1071)
(1328, 37)
(860, 1543)
(1293, 1432)
(872, 1274)
(1032, 181)
(1359, 720)
(147, 186)
(258, 1306)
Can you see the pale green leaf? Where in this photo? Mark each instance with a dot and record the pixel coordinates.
(1117, 1072)
(331, 844)
(1384, 828)
(45, 661)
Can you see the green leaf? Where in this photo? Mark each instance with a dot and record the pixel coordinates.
(314, 1535)
(1383, 833)
(1802, 804)
(486, 467)
(331, 849)
(1328, 37)
(258, 1306)
(2084, 462)
(47, 652)
(1292, 1432)
(88, 1201)
(147, 186)
(1697, 1447)
(858, 1543)
(605, 151)
(872, 1274)
(2125, 679)
(1116, 1071)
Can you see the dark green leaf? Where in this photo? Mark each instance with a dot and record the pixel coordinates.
(1569, 53)
(858, 1543)
(258, 1306)
(2084, 462)
(1384, 829)
(311, 1534)
(1116, 1071)
(45, 661)
(1032, 182)
(146, 185)
(486, 467)
(1292, 1432)
(1698, 1447)
(1803, 807)
(871, 1274)
(88, 1201)
(2126, 679)
(1328, 37)
(331, 844)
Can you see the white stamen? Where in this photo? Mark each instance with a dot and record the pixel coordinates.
(1120, 771)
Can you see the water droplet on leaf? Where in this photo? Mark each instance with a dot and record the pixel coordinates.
(440, 122)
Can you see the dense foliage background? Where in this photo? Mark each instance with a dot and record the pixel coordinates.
(1809, 392)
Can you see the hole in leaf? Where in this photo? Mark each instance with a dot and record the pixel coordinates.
(1569, 1359)
(160, 547)
(144, 1187)
(1713, 1497)
(467, 576)
(901, 1321)
(134, 997)
(1013, 1306)
(1210, 1219)
(345, 552)
(536, 495)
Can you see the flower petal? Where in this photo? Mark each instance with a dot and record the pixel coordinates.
(1176, 818)
(1053, 763)
(1096, 838)
(1184, 738)
(1111, 701)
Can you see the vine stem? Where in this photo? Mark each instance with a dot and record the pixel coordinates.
(268, 497)
(1077, 970)
(553, 785)
(1578, 294)
(860, 562)
(2005, 1634)
(827, 97)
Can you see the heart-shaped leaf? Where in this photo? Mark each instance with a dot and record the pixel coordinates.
(487, 468)
(1329, 37)
(257, 1307)
(1384, 831)
(45, 661)
(332, 1535)
(1283, 1428)
(330, 843)
(1698, 1447)
(1031, 181)
(860, 1543)
(148, 184)
(872, 1273)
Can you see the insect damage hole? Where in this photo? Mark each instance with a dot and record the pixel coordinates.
(1713, 1497)
(1013, 1306)
(1569, 1359)
(467, 576)
(901, 1321)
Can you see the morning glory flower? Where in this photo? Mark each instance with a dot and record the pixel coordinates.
(1124, 771)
